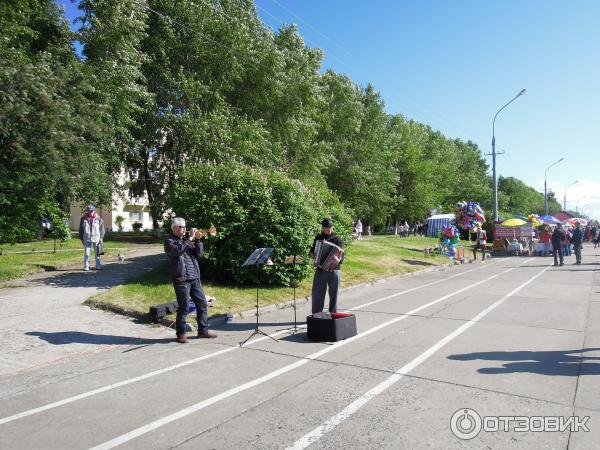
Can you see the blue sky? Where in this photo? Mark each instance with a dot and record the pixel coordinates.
(453, 64)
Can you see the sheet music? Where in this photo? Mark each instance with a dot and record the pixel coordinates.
(258, 256)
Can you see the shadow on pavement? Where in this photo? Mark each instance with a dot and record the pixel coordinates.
(111, 274)
(562, 363)
(78, 337)
(416, 262)
(247, 326)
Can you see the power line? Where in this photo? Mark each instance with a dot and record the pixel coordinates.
(313, 44)
(311, 27)
(228, 47)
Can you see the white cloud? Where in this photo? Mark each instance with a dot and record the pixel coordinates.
(584, 196)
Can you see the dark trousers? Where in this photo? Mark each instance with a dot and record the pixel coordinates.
(577, 251)
(477, 247)
(557, 252)
(186, 291)
(321, 282)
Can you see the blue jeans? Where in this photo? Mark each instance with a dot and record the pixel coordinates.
(321, 282)
(86, 256)
(186, 291)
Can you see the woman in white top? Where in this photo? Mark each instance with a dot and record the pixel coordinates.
(480, 244)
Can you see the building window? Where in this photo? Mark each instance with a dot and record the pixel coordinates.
(135, 216)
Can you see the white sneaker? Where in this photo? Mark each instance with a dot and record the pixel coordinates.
(86, 269)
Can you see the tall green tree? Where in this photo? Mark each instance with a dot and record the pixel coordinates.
(52, 130)
(355, 128)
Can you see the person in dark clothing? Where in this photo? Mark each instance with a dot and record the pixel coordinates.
(184, 252)
(558, 235)
(326, 278)
(577, 241)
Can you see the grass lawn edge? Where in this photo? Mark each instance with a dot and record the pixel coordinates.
(220, 318)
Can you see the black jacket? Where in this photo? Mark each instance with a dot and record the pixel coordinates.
(558, 235)
(175, 248)
(577, 237)
(334, 239)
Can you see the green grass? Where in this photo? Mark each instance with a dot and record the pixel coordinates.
(366, 260)
(17, 265)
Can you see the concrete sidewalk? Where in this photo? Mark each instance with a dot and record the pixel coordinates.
(43, 320)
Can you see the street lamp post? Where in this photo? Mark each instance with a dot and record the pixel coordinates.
(545, 186)
(494, 179)
(565, 198)
(577, 205)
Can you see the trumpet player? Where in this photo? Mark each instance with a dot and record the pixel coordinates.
(184, 250)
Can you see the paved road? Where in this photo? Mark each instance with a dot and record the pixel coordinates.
(510, 337)
(43, 321)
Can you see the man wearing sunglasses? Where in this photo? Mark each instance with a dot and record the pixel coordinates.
(184, 251)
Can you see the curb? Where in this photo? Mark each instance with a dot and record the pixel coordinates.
(221, 319)
(290, 303)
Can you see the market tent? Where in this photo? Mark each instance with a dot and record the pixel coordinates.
(437, 222)
(514, 222)
(563, 216)
(548, 220)
(571, 222)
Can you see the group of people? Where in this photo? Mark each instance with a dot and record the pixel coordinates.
(185, 249)
(562, 240)
(404, 229)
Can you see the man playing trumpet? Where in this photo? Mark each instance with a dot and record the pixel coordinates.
(184, 251)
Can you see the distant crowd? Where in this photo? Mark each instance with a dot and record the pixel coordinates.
(402, 229)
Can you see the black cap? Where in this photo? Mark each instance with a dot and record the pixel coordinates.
(327, 223)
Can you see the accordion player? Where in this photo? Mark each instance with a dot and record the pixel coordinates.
(327, 255)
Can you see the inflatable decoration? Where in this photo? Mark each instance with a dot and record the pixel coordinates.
(533, 218)
(469, 215)
(449, 239)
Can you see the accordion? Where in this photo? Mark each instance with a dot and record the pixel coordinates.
(326, 255)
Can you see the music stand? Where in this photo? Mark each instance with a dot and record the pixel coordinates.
(294, 261)
(258, 257)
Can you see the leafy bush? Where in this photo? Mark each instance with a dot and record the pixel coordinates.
(137, 226)
(254, 208)
(119, 221)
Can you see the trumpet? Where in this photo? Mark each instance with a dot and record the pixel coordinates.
(199, 233)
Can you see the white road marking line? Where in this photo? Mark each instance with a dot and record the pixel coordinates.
(414, 289)
(334, 421)
(176, 366)
(119, 440)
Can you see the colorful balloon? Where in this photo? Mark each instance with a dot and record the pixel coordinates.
(469, 215)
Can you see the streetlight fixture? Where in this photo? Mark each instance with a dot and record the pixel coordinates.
(494, 179)
(545, 186)
(565, 198)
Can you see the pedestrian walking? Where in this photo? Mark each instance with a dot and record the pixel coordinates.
(91, 234)
(480, 243)
(577, 241)
(558, 236)
(566, 244)
(359, 229)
